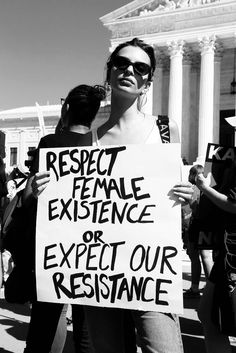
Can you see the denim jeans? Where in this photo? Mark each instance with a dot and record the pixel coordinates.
(156, 332)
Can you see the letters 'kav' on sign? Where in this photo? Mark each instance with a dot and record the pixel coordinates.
(109, 227)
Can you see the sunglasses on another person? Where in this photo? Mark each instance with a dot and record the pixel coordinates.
(122, 63)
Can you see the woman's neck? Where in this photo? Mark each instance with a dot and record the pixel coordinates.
(123, 109)
(124, 115)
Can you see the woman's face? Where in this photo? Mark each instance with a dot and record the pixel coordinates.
(128, 80)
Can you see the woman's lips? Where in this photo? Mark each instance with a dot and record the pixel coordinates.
(124, 79)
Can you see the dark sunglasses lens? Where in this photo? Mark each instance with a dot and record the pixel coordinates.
(120, 62)
(142, 68)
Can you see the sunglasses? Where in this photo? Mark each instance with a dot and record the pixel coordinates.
(122, 63)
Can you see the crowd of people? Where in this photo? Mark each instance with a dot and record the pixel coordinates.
(129, 74)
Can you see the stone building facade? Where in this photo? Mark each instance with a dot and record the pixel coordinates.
(194, 42)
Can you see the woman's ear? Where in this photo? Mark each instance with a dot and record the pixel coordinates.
(146, 88)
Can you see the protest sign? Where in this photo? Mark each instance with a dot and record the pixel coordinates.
(109, 227)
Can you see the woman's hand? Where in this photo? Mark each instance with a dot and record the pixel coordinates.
(201, 181)
(39, 183)
(184, 191)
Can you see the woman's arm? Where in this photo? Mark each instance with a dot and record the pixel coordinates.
(219, 199)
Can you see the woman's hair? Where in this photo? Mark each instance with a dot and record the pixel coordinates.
(135, 42)
(194, 171)
(81, 105)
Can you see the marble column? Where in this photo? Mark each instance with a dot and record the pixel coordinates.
(219, 51)
(206, 96)
(176, 82)
(186, 137)
(158, 91)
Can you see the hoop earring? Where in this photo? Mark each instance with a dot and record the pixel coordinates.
(142, 100)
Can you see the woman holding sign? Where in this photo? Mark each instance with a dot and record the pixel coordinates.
(130, 70)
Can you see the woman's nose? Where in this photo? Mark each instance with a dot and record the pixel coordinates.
(130, 68)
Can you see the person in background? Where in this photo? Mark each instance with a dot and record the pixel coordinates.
(3, 204)
(7, 260)
(197, 257)
(78, 112)
(222, 279)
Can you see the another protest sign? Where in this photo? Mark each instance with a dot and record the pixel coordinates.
(219, 164)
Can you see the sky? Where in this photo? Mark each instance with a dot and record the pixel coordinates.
(47, 47)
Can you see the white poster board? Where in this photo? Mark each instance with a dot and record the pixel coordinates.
(109, 227)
